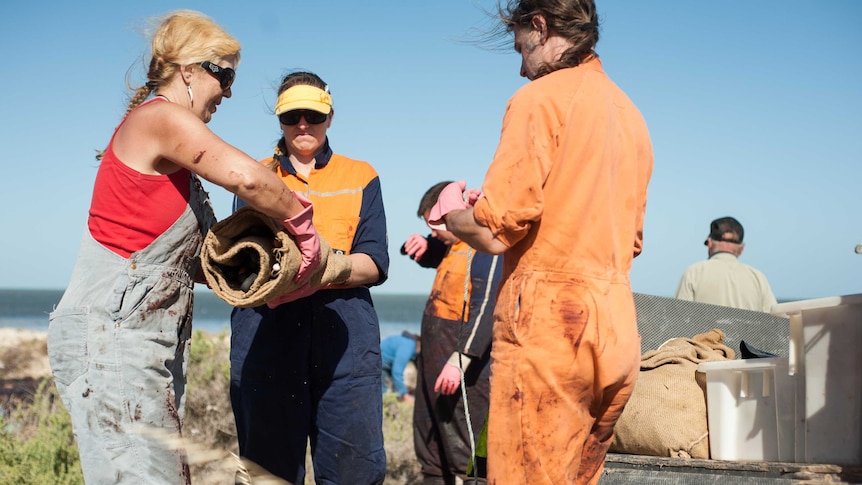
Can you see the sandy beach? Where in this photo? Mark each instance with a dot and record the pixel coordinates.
(23, 354)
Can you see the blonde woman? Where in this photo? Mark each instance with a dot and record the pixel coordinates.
(118, 340)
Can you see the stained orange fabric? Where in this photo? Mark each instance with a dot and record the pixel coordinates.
(567, 192)
(448, 297)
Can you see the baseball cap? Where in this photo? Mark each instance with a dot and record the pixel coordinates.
(303, 96)
(721, 226)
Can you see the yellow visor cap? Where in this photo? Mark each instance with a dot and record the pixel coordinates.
(304, 97)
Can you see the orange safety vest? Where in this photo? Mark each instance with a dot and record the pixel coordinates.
(449, 300)
(335, 191)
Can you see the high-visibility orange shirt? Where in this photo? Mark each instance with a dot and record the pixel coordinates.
(448, 294)
(336, 190)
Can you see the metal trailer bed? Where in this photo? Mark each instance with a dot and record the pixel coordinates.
(660, 319)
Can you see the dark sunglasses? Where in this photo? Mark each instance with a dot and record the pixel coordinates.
(292, 117)
(225, 75)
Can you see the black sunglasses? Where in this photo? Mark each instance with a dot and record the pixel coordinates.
(225, 75)
(292, 117)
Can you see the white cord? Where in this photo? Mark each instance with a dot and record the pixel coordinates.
(461, 365)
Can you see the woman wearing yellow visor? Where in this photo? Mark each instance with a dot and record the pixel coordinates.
(308, 365)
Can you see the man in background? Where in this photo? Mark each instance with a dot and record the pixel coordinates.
(456, 346)
(722, 279)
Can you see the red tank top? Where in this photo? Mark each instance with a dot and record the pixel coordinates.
(129, 209)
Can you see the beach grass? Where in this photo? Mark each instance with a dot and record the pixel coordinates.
(36, 442)
(37, 445)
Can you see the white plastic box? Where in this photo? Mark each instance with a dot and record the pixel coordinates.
(750, 410)
(826, 361)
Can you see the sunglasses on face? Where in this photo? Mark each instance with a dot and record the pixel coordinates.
(292, 117)
(225, 75)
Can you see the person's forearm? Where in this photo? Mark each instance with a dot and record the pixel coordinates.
(364, 271)
(273, 199)
(464, 225)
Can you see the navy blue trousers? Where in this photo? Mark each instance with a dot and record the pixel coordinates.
(310, 370)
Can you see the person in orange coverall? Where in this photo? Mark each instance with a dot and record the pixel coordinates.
(564, 198)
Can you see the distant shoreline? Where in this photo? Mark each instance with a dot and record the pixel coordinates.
(202, 290)
(375, 293)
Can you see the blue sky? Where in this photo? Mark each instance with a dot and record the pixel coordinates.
(754, 112)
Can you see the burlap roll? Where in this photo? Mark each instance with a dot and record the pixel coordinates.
(666, 414)
(249, 259)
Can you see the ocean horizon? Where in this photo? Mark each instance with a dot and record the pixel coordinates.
(29, 308)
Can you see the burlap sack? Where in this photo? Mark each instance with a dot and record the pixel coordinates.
(249, 259)
(666, 414)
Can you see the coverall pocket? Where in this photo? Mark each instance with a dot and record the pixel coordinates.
(67, 343)
(548, 301)
(340, 232)
(517, 302)
(143, 301)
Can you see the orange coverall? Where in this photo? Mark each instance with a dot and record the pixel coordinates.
(567, 193)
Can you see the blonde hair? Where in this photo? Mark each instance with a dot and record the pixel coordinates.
(183, 37)
(180, 38)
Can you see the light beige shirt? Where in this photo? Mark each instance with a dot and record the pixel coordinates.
(723, 280)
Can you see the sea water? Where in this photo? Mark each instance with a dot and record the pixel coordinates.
(29, 309)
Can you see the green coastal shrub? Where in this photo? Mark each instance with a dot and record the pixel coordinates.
(37, 445)
(36, 442)
(209, 359)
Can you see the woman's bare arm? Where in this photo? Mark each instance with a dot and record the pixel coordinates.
(166, 131)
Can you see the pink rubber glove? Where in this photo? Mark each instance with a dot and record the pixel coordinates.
(449, 380)
(301, 292)
(415, 246)
(306, 238)
(472, 196)
(450, 199)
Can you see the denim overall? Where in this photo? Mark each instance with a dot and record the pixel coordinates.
(118, 344)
